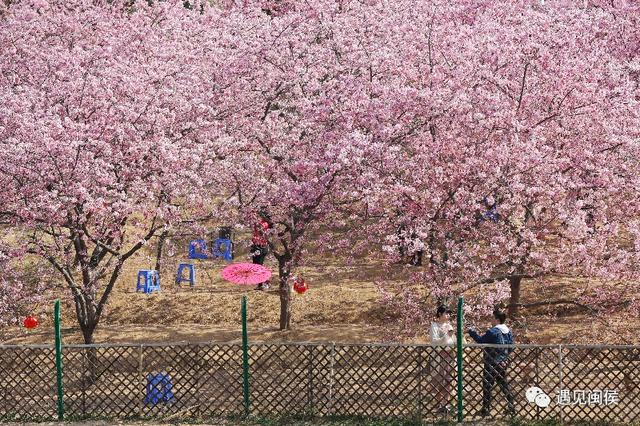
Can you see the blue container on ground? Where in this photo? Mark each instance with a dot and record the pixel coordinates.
(198, 249)
(491, 215)
(159, 389)
(148, 281)
(223, 248)
(191, 279)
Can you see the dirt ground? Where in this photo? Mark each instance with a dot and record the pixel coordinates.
(342, 305)
(261, 422)
(284, 422)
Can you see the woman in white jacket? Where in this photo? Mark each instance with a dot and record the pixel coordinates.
(443, 336)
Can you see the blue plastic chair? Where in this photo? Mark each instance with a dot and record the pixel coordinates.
(198, 249)
(191, 279)
(159, 389)
(223, 248)
(148, 281)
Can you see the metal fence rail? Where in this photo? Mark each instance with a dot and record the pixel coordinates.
(194, 381)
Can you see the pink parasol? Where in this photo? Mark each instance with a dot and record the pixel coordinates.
(246, 273)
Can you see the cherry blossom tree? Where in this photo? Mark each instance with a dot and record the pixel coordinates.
(108, 133)
(22, 287)
(325, 102)
(499, 139)
(300, 136)
(528, 163)
(512, 144)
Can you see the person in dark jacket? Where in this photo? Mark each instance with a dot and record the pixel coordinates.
(259, 244)
(495, 361)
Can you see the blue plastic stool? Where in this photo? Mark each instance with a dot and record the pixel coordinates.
(198, 249)
(223, 247)
(148, 281)
(192, 274)
(159, 389)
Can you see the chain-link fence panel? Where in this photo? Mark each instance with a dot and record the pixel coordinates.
(220, 382)
(600, 384)
(375, 381)
(102, 381)
(288, 379)
(172, 381)
(522, 385)
(27, 383)
(189, 381)
(196, 381)
(183, 381)
(438, 382)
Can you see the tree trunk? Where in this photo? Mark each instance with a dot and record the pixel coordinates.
(88, 304)
(86, 314)
(285, 294)
(88, 326)
(514, 299)
(161, 240)
(87, 333)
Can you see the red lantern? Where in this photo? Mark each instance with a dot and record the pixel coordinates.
(300, 286)
(30, 322)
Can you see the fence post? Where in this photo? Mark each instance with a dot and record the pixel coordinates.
(141, 377)
(310, 372)
(420, 384)
(245, 357)
(331, 378)
(58, 341)
(84, 382)
(201, 367)
(561, 366)
(459, 331)
(536, 351)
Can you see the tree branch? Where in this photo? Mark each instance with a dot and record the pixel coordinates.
(522, 84)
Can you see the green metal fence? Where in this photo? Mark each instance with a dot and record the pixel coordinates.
(594, 383)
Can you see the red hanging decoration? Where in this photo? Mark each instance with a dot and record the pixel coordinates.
(300, 286)
(31, 322)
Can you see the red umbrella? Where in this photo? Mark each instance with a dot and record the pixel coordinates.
(246, 273)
